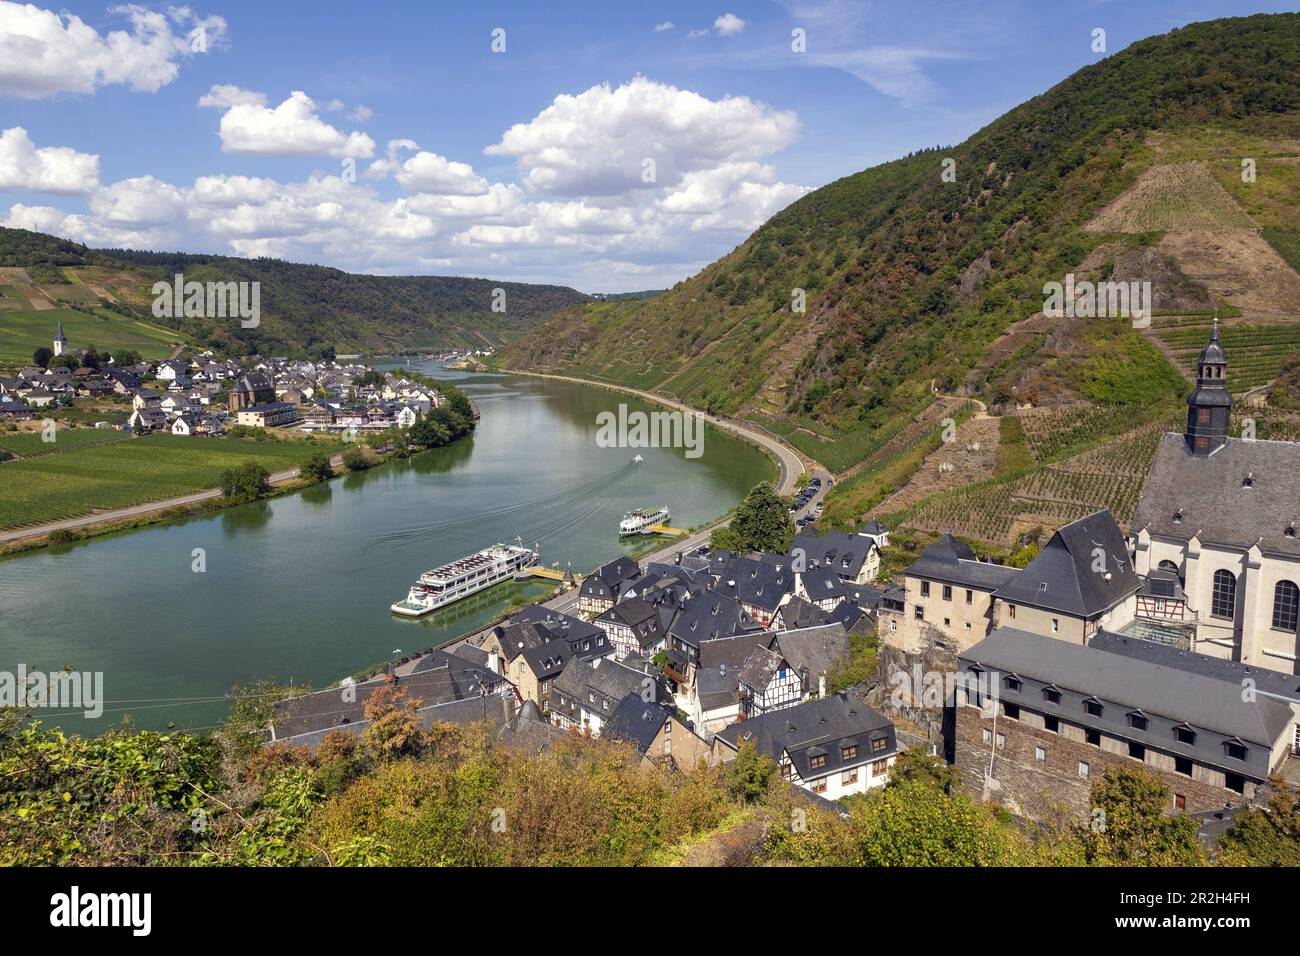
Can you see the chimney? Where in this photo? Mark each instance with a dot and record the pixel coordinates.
(494, 661)
(821, 686)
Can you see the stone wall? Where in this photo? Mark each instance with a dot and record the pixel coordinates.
(1039, 789)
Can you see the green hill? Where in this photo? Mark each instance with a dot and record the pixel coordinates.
(915, 285)
(304, 307)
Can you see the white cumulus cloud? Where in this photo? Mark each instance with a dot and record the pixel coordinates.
(49, 169)
(43, 53)
(597, 143)
(225, 95)
(290, 129)
(729, 24)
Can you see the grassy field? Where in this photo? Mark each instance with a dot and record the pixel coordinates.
(24, 330)
(117, 475)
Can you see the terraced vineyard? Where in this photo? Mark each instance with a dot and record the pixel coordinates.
(1055, 429)
(125, 473)
(999, 511)
(1255, 352)
(33, 445)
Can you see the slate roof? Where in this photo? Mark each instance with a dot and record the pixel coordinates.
(636, 722)
(1061, 577)
(494, 708)
(1208, 492)
(529, 731)
(798, 612)
(730, 653)
(617, 571)
(823, 584)
(840, 551)
(716, 686)
(443, 678)
(1285, 686)
(814, 650)
(762, 665)
(846, 615)
(951, 561)
(1208, 702)
(756, 583)
(817, 728)
(610, 681)
(709, 615)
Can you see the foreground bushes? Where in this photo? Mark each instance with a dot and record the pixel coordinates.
(455, 796)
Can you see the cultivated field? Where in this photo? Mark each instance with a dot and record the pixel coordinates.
(23, 331)
(1174, 196)
(1000, 512)
(104, 477)
(1255, 352)
(33, 445)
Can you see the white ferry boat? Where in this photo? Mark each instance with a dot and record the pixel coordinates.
(449, 583)
(636, 522)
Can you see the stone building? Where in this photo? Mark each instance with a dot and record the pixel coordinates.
(946, 596)
(1220, 513)
(1082, 581)
(1038, 720)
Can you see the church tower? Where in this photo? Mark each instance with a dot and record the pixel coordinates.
(60, 343)
(1209, 407)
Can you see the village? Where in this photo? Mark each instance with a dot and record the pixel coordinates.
(209, 396)
(1169, 645)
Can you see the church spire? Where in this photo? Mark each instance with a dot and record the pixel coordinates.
(1209, 407)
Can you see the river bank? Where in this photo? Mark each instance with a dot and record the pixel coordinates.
(296, 588)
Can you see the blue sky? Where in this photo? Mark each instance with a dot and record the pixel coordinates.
(389, 137)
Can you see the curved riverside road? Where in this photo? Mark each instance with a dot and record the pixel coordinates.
(135, 511)
(788, 460)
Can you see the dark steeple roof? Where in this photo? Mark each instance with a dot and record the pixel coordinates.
(1209, 407)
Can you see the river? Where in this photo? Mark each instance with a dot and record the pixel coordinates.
(298, 587)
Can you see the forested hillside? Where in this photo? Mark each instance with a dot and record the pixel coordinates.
(304, 307)
(919, 287)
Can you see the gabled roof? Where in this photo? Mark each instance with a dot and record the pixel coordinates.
(756, 583)
(1083, 571)
(608, 679)
(709, 615)
(798, 612)
(617, 571)
(763, 664)
(814, 650)
(822, 727)
(951, 561)
(1203, 700)
(823, 584)
(730, 653)
(1266, 682)
(840, 551)
(1211, 499)
(636, 722)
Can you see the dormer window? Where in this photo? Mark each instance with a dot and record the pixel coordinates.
(1092, 707)
(1138, 720)
(1235, 749)
(1052, 695)
(1248, 481)
(1013, 683)
(1178, 516)
(1289, 531)
(1185, 735)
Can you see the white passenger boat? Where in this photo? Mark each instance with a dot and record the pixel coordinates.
(459, 579)
(637, 522)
